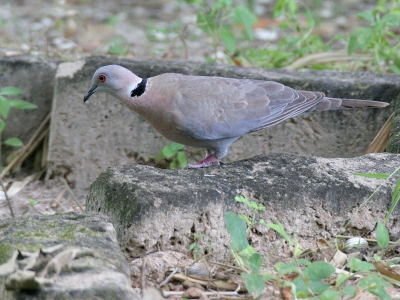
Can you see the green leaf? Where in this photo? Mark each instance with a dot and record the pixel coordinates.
(237, 229)
(255, 262)
(254, 283)
(267, 276)
(303, 261)
(228, 39)
(342, 278)
(357, 265)
(310, 17)
(391, 20)
(242, 199)
(382, 235)
(245, 218)
(247, 252)
(293, 7)
(205, 23)
(168, 151)
(317, 287)
(315, 273)
(2, 125)
(395, 200)
(244, 16)
(22, 104)
(284, 269)
(373, 175)
(330, 294)
(192, 246)
(176, 146)
(395, 69)
(319, 270)
(350, 290)
(173, 165)
(279, 8)
(359, 39)
(367, 15)
(160, 156)
(279, 228)
(15, 142)
(375, 285)
(220, 5)
(181, 156)
(33, 202)
(11, 90)
(4, 107)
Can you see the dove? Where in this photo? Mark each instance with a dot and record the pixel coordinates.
(211, 112)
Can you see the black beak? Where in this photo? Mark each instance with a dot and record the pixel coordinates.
(90, 93)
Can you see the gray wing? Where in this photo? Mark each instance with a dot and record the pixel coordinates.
(215, 108)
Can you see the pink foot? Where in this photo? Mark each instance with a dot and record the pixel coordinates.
(210, 160)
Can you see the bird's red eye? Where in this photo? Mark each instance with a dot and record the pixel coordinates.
(102, 78)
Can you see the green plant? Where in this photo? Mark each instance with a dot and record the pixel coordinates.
(226, 23)
(229, 25)
(307, 279)
(174, 153)
(194, 246)
(5, 105)
(300, 38)
(380, 37)
(256, 207)
(119, 45)
(396, 190)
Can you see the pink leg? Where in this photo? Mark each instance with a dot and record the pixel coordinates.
(210, 160)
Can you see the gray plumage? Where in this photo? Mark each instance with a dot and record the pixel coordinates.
(211, 112)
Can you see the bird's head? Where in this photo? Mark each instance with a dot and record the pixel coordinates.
(114, 80)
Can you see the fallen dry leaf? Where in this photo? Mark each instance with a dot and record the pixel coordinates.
(387, 270)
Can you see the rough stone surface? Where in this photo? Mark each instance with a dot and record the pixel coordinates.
(104, 276)
(36, 77)
(87, 138)
(312, 197)
(393, 145)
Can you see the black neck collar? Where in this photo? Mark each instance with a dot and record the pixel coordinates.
(140, 89)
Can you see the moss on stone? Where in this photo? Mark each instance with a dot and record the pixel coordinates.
(6, 251)
(69, 233)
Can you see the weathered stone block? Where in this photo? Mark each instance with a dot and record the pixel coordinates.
(102, 275)
(312, 197)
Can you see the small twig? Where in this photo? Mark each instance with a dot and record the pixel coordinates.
(172, 43)
(168, 294)
(36, 210)
(228, 267)
(72, 194)
(166, 280)
(205, 256)
(34, 145)
(380, 141)
(326, 57)
(59, 198)
(214, 283)
(8, 199)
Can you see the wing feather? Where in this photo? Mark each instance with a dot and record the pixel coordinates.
(215, 108)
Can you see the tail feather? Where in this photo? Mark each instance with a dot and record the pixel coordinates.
(356, 103)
